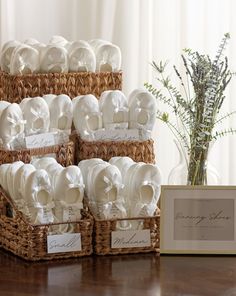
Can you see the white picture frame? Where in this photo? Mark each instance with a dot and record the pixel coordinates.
(198, 220)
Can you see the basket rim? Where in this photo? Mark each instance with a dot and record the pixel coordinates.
(60, 74)
(156, 215)
(70, 142)
(109, 142)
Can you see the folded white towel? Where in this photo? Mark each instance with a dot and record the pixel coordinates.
(142, 110)
(12, 125)
(87, 117)
(37, 116)
(108, 58)
(114, 108)
(54, 59)
(6, 54)
(24, 60)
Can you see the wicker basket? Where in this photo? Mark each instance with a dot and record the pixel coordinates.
(14, 88)
(103, 232)
(137, 150)
(64, 154)
(30, 241)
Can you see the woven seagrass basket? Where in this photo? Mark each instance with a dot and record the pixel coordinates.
(139, 151)
(64, 154)
(29, 241)
(103, 232)
(13, 88)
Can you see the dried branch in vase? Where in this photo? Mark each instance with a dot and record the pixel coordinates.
(197, 110)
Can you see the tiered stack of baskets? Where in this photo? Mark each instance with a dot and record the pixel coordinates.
(29, 241)
(17, 234)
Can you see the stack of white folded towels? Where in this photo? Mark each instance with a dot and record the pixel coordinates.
(38, 115)
(44, 191)
(113, 111)
(60, 56)
(121, 188)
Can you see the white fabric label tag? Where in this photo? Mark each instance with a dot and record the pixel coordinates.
(40, 140)
(130, 239)
(67, 242)
(71, 214)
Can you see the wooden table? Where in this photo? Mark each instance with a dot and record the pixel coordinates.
(132, 275)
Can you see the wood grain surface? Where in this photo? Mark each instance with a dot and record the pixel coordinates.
(145, 275)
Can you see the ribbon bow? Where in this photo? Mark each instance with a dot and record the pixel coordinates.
(112, 183)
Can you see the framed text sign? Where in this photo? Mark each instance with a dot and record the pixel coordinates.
(198, 219)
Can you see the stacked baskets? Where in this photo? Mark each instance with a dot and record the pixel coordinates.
(30, 241)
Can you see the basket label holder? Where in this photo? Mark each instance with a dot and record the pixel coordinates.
(130, 239)
(62, 243)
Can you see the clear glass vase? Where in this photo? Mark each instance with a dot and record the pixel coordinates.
(203, 173)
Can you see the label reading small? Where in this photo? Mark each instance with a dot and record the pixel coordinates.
(130, 239)
(67, 242)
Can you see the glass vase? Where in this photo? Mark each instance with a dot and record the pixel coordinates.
(193, 170)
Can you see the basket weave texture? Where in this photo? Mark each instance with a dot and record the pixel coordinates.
(13, 88)
(64, 154)
(29, 242)
(104, 228)
(139, 151)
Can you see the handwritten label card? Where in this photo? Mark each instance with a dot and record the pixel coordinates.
(204, 219)
(67, 242)
(130, 239)
(40, 140)
(117, 135)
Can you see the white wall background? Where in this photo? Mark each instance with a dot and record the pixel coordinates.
(145, 30)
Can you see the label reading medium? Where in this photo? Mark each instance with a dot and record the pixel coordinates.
(130, 239)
